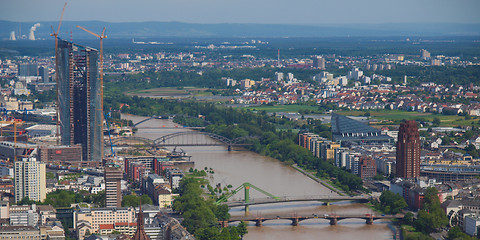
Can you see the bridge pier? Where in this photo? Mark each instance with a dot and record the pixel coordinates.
(259, 222)
(247, 208)
(295, 222)
(333, 221)
(369, 221)
(229, 148)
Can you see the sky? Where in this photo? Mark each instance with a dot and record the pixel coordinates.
(302, 12)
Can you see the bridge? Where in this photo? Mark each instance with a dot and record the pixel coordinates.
(274, 199)
(320, 198)
(186, 138)
(332, 218)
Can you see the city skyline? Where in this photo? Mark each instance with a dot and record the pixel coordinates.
(264, 12)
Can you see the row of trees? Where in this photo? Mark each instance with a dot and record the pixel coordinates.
(63, 198)
(201, 216)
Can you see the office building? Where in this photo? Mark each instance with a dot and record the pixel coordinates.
(319, 62)
(408, 150)
(27, 69)
(113, 189)
(368, 168)
(61, 155)
(43, 72)
(30, 180)
(425, 55)
(25, 215)
(19, 232)
(79, 100)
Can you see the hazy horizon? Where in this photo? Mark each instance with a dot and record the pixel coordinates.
(301, 12)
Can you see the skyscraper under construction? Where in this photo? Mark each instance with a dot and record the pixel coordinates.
(79, 99)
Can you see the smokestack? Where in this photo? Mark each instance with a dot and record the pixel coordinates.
(12, 36)
(31, 36)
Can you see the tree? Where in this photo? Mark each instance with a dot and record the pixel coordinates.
(134, 200)
(222, 212)
(408, 218)
(242, 229)
(26, 201)
(436, 121)
(391, 202)
(431, 217)
(456, 233)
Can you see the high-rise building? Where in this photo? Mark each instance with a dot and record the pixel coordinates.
(113, 190)
(27, 69)
(43, 72)
(319, 62)
(79, 99)
(408, 150)
(30, 180)
(425, 55)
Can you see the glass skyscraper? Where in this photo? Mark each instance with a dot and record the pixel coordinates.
(79, 99)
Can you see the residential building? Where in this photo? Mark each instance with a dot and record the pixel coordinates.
(30, 180)
(97, 220)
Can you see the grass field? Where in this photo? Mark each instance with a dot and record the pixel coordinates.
(394, 116)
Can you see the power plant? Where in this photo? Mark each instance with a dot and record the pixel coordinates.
(31, 35)
(12, 36)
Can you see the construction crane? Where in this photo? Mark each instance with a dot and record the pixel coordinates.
(101, 37)
(109, 135)
(55, 34)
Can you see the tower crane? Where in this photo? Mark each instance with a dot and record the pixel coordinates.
(101, 37)
(55, 34)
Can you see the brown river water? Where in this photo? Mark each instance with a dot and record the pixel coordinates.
(239, 166)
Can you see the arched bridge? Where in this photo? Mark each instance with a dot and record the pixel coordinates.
(187, 138)
(333, 218)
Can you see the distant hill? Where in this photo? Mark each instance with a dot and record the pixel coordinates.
(178, 29)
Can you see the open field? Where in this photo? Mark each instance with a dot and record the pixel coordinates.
(170, 92)
(395, 116)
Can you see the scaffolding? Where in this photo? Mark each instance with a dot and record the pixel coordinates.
(79, 97)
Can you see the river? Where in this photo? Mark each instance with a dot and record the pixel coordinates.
(237, 167)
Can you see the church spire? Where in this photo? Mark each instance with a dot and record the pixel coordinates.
(140, 233)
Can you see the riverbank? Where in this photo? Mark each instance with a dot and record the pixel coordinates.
(316, 179)
(279, 179)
